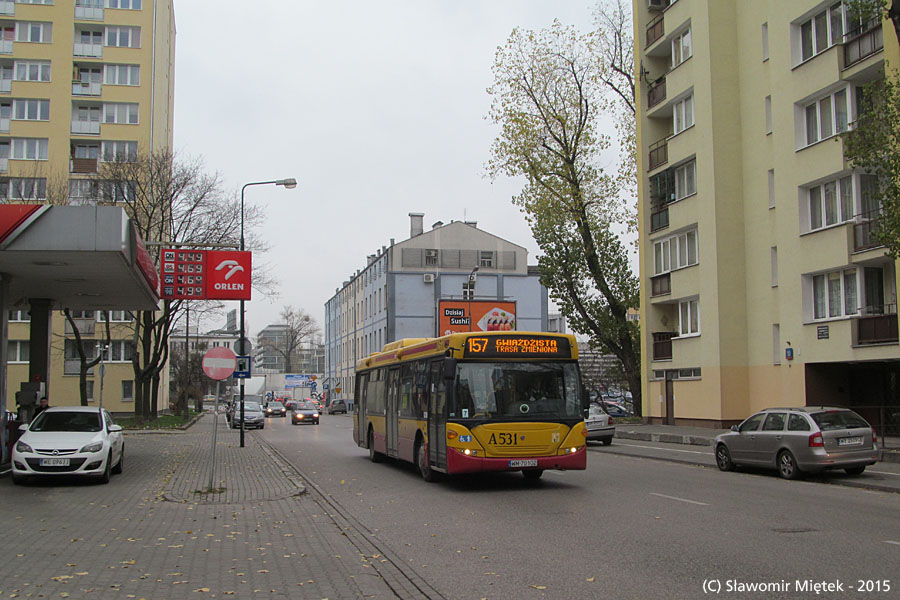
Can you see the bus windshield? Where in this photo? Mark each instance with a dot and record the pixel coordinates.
(516, 391)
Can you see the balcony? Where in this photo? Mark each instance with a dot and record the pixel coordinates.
(86, 88)
(6, 46)
(864, 231)
(655, 30)
(863, 42)
(659, 153)
(4, 124)
(662, 345)
(661, 285)
(656, 93)
(7, 7)
(83, 165)
(86, 127)
(87, 50)
(659, 219)
(878, 325)
(92, 13)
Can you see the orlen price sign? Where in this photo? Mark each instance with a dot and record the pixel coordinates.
(205, 274)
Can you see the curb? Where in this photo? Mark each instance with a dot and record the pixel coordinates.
(169, 430)
(668, 438)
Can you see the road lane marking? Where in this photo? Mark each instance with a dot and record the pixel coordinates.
(679, 499)
(892, 542)
(883, 472)
(707, 453)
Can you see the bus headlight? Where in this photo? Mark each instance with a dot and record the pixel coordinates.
(571, 450)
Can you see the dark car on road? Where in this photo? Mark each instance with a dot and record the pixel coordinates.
(275, 409)
(305, 412)
(337, 406)
(797, 440)
(253, 416)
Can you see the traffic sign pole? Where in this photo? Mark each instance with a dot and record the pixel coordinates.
(218, 363)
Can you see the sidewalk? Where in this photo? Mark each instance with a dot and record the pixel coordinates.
(157, 532)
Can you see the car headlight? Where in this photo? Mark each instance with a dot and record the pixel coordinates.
(315, 414)
(95, 447)
(23, 447)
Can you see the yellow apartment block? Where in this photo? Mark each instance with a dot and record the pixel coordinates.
(761, 283)
(81, 83)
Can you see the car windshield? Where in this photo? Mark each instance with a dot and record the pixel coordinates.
(276, 404)
(251, 407)
(526, 390)
(307, 406)
(838, 419)
(67, 421)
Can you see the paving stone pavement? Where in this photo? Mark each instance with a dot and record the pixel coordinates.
(155, 532)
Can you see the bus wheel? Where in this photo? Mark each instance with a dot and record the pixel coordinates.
(533, 474)
(373, 456)
(428, 474)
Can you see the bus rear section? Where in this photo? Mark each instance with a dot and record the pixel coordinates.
(509, 402)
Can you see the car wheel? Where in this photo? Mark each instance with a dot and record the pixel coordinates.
(723, 458)
(118, 468)
(106, 472)
(373, 456)
(607, 441)
(855, 470)
(532, 474)
(425, 470)
(787, 465)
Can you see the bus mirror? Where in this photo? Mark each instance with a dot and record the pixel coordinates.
(449, 367)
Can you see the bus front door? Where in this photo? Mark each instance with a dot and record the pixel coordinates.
(390, 413)
(437, 418)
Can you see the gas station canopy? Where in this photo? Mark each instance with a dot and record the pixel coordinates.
(78, 257)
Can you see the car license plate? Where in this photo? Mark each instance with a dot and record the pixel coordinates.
(54, 462)
(850, 441)
(531, 462)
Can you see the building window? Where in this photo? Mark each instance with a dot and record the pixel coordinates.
(31, 110)
(765, 41)
(681, 48)
(122, 113)
(116, 316)
(486, 259)
(468, 290)
(83, 189)
(675, 252)
(686, 180)
(776, 344)
(29, 149)
(118, 191)
(693, 373)
(684, 114)
(773, 255)
(18, 351)
(827, 116)
(24, 188)
(119, 151)
(822, 31)
(832, 202)
(835, 294)
(48, 2)
(127, 390)
(771, 188)
(41, 33)
(89, 390)
(126, 4)
(32, 70)
(122, 75)
(431, 257)
(123, 37)
(689, 317)
(19, 316)
(768, 114)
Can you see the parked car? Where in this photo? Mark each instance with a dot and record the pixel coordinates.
(798, 440)
(615, 409)
(600, 427)
(275, 409)
(306, 412)
(337, 406)
(69, 440)
(253, 416)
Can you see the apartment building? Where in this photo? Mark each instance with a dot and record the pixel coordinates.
(399, 292)
(761, 284)
(81, 83)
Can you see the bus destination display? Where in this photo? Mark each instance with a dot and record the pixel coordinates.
(517, 346)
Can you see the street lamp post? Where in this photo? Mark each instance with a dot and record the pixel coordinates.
(471, 293)
(290, 183)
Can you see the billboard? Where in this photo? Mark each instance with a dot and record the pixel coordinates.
(456, 316)
(204, 274)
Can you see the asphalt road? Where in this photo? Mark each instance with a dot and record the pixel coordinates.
(630, 526)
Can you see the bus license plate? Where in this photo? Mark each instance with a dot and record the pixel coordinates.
(850, 441)
(54, 462)
(531, 462)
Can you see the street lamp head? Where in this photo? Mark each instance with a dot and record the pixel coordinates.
(290, 183)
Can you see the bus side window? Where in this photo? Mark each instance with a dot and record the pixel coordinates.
(406, 390)
(420, 390)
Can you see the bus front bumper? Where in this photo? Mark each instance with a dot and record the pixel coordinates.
(457, 462)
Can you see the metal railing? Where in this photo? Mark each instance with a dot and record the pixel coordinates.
(662, 345)
(864, 230)
(877, 325)
(656, 93)
(863, 41)
(655, 30)
(659, 153)
(661, 284)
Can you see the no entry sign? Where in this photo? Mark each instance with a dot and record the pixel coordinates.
(219, 363)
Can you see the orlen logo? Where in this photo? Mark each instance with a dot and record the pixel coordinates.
(229, 277)
(235, 267)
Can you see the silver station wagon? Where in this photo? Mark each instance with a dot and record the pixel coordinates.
(798, 440)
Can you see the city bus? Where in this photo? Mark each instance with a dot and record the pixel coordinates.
(474, 402)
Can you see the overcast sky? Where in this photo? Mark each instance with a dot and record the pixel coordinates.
(376, 107)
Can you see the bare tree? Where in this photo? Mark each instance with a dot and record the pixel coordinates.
(85, 363)
(297, 327)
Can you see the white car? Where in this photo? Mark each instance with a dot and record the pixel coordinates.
(599, 425)
(69, 440)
